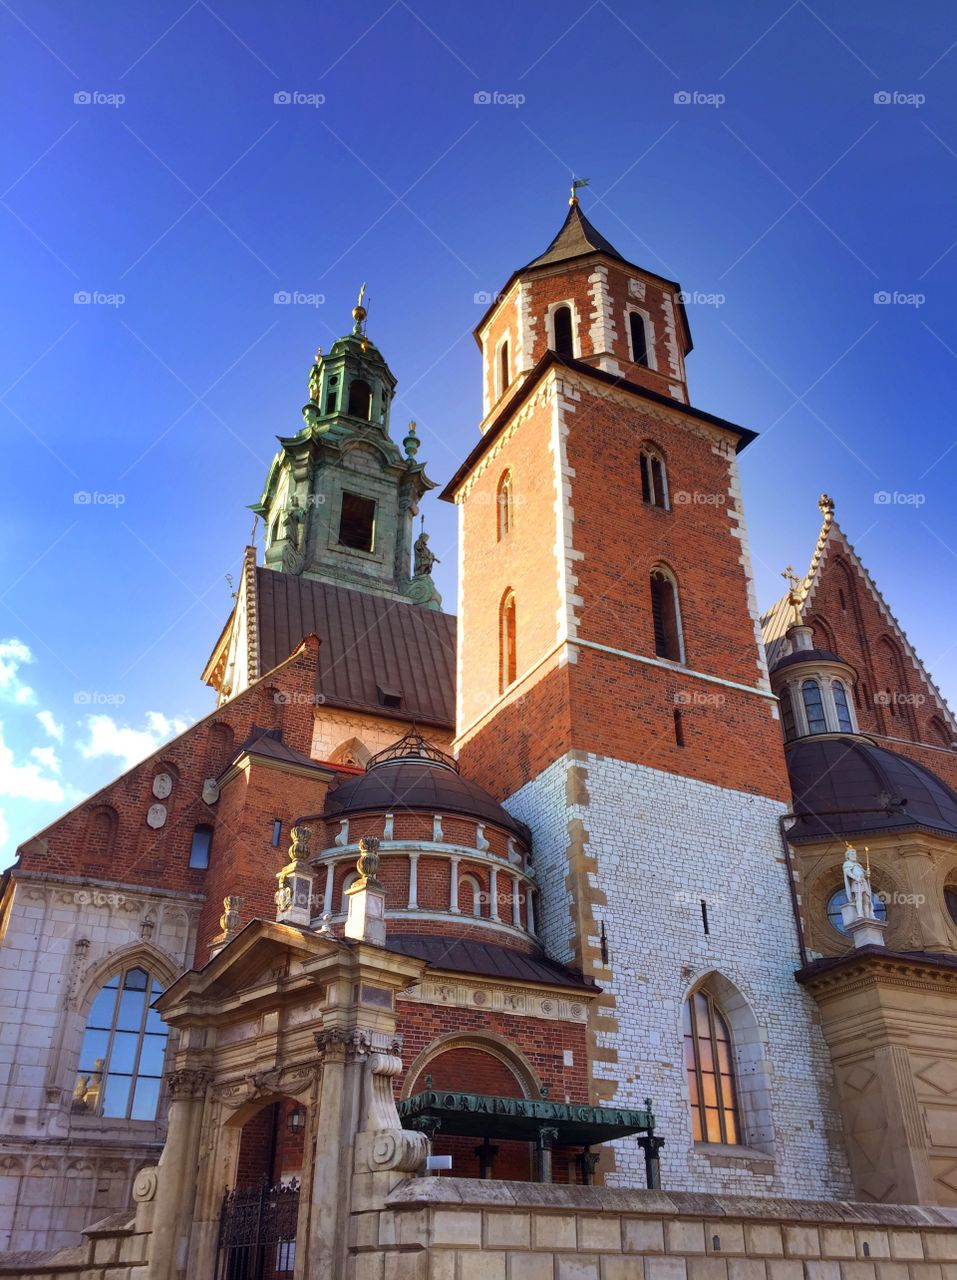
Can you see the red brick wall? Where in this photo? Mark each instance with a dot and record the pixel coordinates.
(891, 698)
(468, 1069)
(604, 703)
(107, 837)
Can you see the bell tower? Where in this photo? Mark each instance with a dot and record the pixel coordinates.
(340, 498)
(613, 695)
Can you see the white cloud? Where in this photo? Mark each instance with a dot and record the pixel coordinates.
(47, 758)
(55, 730)
(14, 654)
(129, 745)
(4, 829)
(30, 780)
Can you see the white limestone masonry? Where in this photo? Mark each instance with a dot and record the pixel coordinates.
(661, 843)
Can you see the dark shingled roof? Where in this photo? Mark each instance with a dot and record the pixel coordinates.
(419, 784)
(466, 955)
(844, 773)
(807, 655)
(576, 238)
(269, 743)
(368, 644)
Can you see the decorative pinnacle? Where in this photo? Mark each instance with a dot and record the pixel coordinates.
(299, 847)
(826, 505)
(368, 861)
(411, 443)
(359, 312)
(576, 184)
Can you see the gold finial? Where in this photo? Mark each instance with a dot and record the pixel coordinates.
(826, 506)
(794, 594)
(576, 184)
(412, 427)
(359, 312)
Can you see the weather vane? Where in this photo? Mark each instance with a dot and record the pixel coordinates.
(577, 183)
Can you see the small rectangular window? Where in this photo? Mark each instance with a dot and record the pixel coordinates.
(199, 850)
(276, 833)
(357, 522)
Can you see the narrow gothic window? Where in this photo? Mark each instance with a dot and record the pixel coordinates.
(813, 707)
(562, 325)
(679, 729)
(508, 669)
(664, 616)
(357, 522)
(711, 1087)
(503, 371)
(276, 832)
(199, 850)
(360, 399)
(787, 714)
(121, 1061)
(504, 504)
(639, 338)
(840, 705)
(654, 491)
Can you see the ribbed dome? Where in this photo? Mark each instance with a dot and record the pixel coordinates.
(887, 791)
(414, 783)
(807, 655)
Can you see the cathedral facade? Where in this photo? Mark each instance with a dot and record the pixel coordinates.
(586, 840)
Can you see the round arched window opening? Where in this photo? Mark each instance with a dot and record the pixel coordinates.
(838, 899)
(950, 900)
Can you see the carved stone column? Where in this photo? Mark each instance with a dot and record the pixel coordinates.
(176, 1175)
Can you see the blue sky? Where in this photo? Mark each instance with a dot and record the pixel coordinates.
(148, 166)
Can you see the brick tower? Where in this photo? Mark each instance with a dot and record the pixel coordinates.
(613, 693)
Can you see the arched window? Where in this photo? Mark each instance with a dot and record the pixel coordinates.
(470, 895)
(504, 377)
(813, 707)
(503, 504)
(563, 332)
(349, 881)
(841, 707)
(199, 849)
(708, 1063)
(654, 487)
(664, 616)
(838, 899)
(360, 399)
(787, 714)
(639, 337)
(121, 1061)
(508, 667)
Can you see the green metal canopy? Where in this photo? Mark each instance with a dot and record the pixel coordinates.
(520, 1119)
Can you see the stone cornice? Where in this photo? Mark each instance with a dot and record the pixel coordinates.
(875, 966)
(518, 999)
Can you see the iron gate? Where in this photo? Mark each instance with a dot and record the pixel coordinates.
(257, 1232)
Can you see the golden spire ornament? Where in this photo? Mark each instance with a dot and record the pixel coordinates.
(577, 183)
(794, 594)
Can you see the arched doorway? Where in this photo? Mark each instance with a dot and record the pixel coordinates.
(259, 1218)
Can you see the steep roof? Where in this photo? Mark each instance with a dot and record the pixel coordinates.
(372, 648)
(268, 744)
(468, 955)
(576, 237)
(775, 622)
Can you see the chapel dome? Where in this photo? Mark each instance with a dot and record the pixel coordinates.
(886, 791)
(807, 655)
(413, 774)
